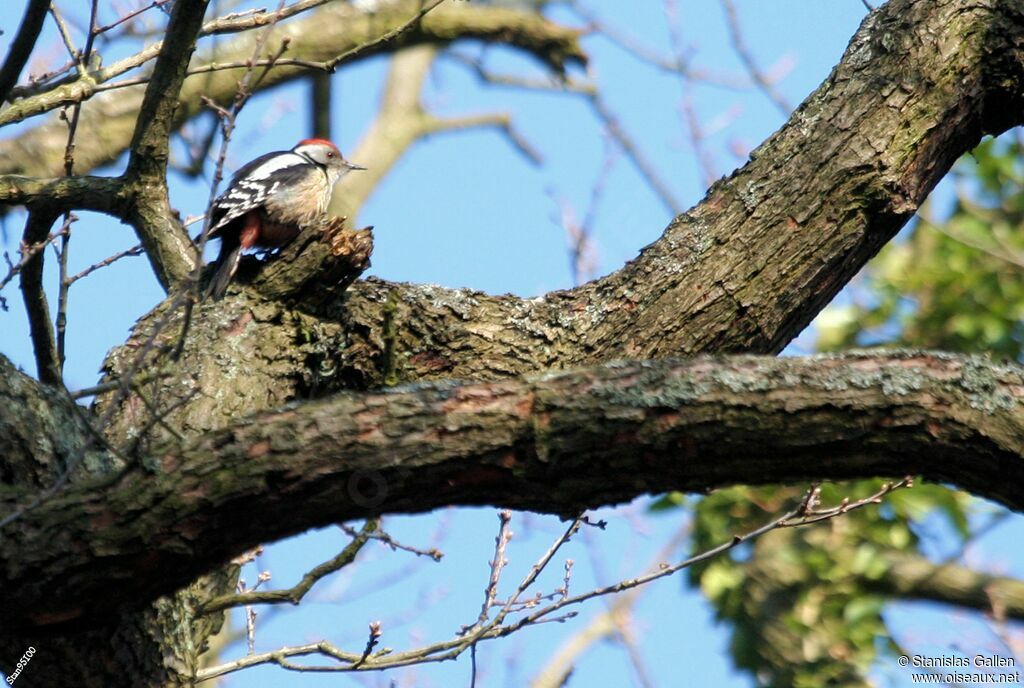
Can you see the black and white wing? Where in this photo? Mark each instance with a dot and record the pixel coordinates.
(253, 183)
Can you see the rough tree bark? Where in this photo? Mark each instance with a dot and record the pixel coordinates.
(743, 271)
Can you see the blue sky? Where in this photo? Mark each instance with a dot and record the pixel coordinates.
(466, 210)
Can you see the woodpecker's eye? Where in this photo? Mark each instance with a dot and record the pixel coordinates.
(330, 154)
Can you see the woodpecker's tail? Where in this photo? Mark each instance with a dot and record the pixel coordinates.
(227, 264)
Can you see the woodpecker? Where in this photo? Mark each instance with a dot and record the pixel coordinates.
(270, 200)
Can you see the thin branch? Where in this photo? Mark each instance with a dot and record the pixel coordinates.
(44, 345)
(117, 384)
(26, 253)
(739, 44)
(131, 15)
(557, 84)
(604, 114)
(581, 246)
(381, 536)
(644, 166)
(500, 121)
(374, 46)
(796, 517)
(1005, 253)
(676, 64)
(167, 245)
(294, 594)
(324, 66)
(497, 564)
(809, 513)
(233, 23)
(63, 285)
(110, 260)
(339, 24)
(21, 46)
(65, 37)
(442, 651)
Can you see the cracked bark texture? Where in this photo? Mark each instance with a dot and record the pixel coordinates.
(743, 271)
(108, 118)
(557, 442)
(749, 267)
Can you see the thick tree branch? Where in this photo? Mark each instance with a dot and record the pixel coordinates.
(324, 34)
(165, 240)
(330, 257)
(398, 124)
(401, 121)
(913, 577)
(294, 594)
(21, 46)
(44, 345)
(751, 265)
(553, 443)
(102, 194)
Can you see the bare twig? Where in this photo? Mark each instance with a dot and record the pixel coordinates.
(1004, 253)
(227, 118)
(384, 537)
(705, 161)
(676, 64)
(133, 251)
(232, 23)
(371, 642)
(385, 40)
(115, 384)
(250, 629)
(21, 46)
(808, 512)
(294, 594)
(26, 253)
(695, 130)
(466, 639)
(500, 121)
(581, 249)
(604, 114)
(65, 37)
(250, 612)
(739, 44)
(63, 285)
(558, 84)
(131, 15)
(497, 564)
(633, 152)
(325, 66)
(36, 306)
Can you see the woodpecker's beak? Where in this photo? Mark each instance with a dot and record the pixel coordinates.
(353, 166)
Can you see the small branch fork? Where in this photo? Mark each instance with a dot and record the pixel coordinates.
(147, 162)
(535, 609)
(231, 23)
(26, 252)
(86, 85)
(294, 594)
